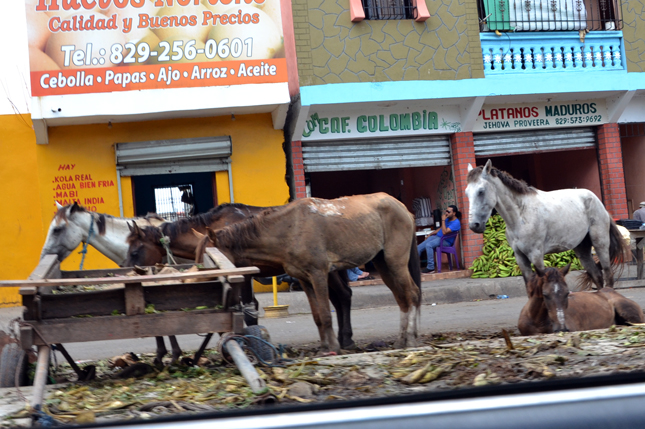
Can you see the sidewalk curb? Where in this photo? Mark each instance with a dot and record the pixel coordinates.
(448, 291)
(433, 292)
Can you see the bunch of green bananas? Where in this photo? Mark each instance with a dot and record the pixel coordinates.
(498, 259)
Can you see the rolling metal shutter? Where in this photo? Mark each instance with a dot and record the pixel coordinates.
(343, 155)
(534, 141)
(193, 155)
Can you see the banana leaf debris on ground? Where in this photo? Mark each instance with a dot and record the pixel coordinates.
(130, 387)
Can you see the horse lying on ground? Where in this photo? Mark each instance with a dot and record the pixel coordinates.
(540, 222)
(146, 249)
(552, 308)
(311, 237)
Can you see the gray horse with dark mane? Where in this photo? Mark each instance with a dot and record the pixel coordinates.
(539, 222)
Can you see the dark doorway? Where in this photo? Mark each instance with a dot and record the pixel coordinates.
(195, 194)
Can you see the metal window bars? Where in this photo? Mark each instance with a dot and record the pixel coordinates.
(549, 15)
(632, 129)
(388, 9)
(174, 202)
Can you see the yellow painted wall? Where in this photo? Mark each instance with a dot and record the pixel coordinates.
(85, 154)
(22, 233)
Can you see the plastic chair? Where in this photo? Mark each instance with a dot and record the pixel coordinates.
(446, 249)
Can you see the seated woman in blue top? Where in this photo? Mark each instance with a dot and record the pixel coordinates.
(449, 223)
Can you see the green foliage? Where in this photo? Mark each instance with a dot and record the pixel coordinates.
(498, 258)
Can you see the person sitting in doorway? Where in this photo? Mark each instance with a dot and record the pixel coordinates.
(356, 274)
(639, 214)
(449, 223)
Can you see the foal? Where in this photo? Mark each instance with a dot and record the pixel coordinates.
(552, 308)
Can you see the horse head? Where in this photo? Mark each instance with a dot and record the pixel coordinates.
(144, 246)
(482, 196)
(69, 227)
(551, 286)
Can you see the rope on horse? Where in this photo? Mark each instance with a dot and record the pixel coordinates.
(89, 235)
(165, 242)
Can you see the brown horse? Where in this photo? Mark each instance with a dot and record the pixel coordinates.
(145, 249)
(552, 308)
(311, 237)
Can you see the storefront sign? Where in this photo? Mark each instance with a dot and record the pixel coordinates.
(541, 115)
(323, 126)
(73, 184)
(91, 46)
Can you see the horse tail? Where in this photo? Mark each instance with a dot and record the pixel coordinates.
(414, 266)
(617, 250)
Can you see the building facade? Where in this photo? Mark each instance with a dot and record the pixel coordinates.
(402, 100)
(112, 103)
(263, 101)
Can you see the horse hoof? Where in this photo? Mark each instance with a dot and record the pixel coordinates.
(350, 346)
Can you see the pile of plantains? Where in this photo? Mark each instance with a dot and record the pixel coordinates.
(498, 259)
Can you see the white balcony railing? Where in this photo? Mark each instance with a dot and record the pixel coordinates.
(543, 52)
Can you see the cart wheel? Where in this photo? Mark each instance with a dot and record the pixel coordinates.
(263, 350)
(9, 359)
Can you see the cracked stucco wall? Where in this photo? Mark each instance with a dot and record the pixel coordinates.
(332, 49)
(634, 34)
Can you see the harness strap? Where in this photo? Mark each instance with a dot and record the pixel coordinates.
(89, 235)
(165, 242)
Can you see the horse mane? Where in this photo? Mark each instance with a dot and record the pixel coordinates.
(101, 219)
(515, 185)
(151, 234)
(202, 220)
(239, 235)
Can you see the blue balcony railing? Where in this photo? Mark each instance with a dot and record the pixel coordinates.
(544, 52)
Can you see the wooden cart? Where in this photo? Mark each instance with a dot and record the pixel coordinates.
(120, 313)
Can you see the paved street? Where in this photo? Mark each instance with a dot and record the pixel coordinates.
(369, 324)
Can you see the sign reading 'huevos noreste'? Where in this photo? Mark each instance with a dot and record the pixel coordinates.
(90, 46)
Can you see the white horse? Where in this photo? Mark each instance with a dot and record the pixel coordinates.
(73, 225)
(540, 222)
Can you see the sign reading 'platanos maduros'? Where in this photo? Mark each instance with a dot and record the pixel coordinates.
(91, 46)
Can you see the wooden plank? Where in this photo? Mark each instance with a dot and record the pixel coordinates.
(30, 307)
(170, 298)
(208, 262)
(109, 272)
(134, 302)
(108, 302)
(94, 303)
(48, 267)
(145, 325)
(26, 337)
(223, 263)
(201, 275)
(238, 323)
